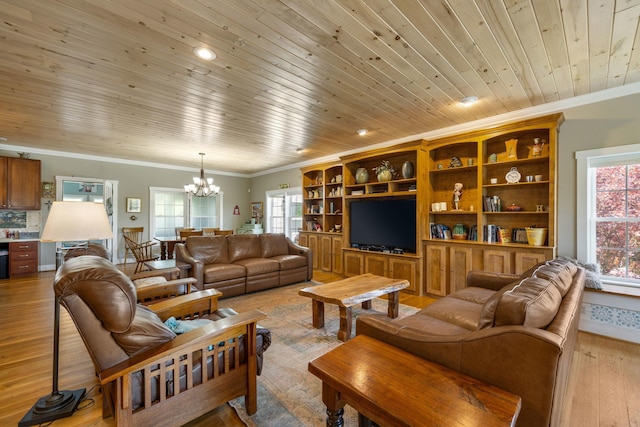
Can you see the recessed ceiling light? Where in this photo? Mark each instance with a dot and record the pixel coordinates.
(204, 53)
(361, 132)
(469, 100)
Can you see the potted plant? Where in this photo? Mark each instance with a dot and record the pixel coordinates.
(385, 172)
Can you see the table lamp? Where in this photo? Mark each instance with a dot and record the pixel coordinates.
(67, 221)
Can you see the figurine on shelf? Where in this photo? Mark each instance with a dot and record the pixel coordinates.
(538, 145)
(457, 193)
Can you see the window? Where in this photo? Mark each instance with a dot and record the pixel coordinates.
(609, 209)
(171, 208)
(203, 212)
(168, 211)
(284, 212)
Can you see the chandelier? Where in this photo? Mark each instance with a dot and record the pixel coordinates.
(202, 187)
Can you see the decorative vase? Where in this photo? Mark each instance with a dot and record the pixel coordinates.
(407, 170)
(512, 149)
(362, 176)
(385, 175)
(459, 232)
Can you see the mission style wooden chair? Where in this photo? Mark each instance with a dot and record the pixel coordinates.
(151, 376)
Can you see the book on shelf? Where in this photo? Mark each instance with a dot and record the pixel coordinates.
(473, 233)
(490, 233)
(492, 204)
(439, 231)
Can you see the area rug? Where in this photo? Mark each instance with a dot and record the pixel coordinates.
(288, 395)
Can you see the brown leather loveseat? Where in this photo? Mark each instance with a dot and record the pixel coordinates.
(515, 332)
(242, 263)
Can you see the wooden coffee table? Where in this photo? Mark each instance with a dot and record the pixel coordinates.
(349, 292)
(392, 387)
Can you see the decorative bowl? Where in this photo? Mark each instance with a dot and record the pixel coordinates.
(513, 208)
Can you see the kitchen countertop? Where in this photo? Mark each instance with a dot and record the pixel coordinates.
(6, 240)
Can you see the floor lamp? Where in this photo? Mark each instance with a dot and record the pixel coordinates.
(67, 221)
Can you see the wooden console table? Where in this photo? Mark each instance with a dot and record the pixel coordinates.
(349, 292)
(392, 387)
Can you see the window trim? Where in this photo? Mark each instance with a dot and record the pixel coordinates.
(585, 176)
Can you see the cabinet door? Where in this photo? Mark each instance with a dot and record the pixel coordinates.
(525, 261)
(353, 263)
(497, 261)
(315, 253)
(336, 254)
(376, 264)
(23, 190)
(460, 263)
(303, 240)
(436, 269)
(405, 269)
(325, 253)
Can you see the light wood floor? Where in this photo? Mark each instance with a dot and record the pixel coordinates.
(604, 387)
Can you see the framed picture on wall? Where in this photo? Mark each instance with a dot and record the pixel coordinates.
(134, 204)
(256, 210)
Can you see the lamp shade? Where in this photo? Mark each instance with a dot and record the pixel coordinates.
(68, 221)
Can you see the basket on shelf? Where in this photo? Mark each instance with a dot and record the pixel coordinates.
(536, 236)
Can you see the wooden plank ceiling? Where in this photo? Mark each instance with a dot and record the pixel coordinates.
(118, 78)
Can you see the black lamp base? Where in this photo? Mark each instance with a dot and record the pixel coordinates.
(57, 405)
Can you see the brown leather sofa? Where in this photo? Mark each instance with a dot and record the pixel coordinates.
(515, 332)
(242, 263)
(136, 355)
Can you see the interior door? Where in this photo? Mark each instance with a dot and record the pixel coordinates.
(71, 188)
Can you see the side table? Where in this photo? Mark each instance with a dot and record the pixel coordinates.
(170, 263)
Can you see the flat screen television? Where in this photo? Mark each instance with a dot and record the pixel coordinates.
(388, 223)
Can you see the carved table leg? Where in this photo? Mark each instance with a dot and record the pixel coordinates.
(394, 305)
(334, 418)
(317, 309)
(366, 305)
(344, 334)
(335, 406)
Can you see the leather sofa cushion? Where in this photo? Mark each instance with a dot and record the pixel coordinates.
(272, 244)
(431, 325)
(488, 312)
(464, 314)
(208, 249)
(560, 274)
(533, 302)
(473, 294)
(257, 266)
(213, 273)
(146, 331)
(289, 262)
(243, 246)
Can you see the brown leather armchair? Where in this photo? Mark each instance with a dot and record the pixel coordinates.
(150, 375)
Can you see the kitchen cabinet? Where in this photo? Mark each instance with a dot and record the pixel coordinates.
(19, 183)
(23, 257)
